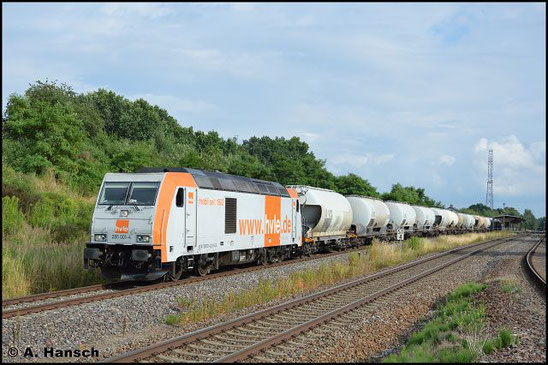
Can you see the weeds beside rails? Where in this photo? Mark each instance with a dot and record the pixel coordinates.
(373, 258)
(454, 333)
(44, 229)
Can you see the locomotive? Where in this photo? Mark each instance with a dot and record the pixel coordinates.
(162, 222)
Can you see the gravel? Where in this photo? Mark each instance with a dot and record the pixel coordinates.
(120, 324)
(522, 310)
(382, 328)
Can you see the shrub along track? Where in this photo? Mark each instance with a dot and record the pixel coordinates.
(125, 288)
(244, 337)
(535, 264)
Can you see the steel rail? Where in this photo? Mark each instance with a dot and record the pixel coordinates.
(53, 294)
(537, 279)
(277, 339)
(135, 290)
(221, 327)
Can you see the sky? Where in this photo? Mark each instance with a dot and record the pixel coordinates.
(395, 92)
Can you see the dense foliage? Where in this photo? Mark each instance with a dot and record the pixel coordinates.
(530, 221)
(82, 136)
(411, 195)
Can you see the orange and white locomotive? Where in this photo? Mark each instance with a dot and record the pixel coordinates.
(162, 222)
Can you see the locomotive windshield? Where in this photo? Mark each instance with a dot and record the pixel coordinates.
(119, 193)
(114, 193)
(143, 193)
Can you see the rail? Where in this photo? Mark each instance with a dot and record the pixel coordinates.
(229, 352)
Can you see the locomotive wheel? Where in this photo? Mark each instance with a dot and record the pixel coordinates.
(202, 270)
(178, 272)
(262, 261)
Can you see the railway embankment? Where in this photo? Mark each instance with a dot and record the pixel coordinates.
(123, 324)
(512, 327)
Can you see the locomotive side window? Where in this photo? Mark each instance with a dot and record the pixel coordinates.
(114, 193)
(230, 215)
(180, 198)
(298, 205)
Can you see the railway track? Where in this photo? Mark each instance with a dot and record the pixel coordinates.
(533, 269)
(247, 336)
(121, 291)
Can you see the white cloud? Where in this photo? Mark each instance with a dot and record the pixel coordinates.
(447, 160)
(309, 137)
(437, 180)
(242, 6)
(242, 64)
(517, 169)
(174, 104)
(360, 160)
(145, 10)
(380, 159)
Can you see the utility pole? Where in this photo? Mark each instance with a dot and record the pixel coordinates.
(489, 195)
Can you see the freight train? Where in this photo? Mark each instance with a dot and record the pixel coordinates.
(162, 222)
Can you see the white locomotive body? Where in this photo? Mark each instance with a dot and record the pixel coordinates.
(182, 219)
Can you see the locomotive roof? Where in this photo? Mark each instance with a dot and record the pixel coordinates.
(220, 181)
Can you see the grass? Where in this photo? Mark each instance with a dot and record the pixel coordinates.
(44, 229)
(453, 335)
(378, 256)
(509, 286)
(30, 268)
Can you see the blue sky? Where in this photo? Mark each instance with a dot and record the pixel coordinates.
(409, 93)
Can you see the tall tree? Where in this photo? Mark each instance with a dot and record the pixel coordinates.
(354, 184)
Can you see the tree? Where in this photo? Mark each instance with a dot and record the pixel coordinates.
(46, 134)
(411, 195)
(530, 222)
(541, 224)
(354, 184)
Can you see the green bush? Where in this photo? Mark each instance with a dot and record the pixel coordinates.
(172, 319)
(456, 355)
(509, 286)
(489, 346)
(506, 337)
(421, 353)
(12, 217)
(65, 233)
(19, 185)
(451, 337)
(42, 214)
(465, 290)
(415, 243)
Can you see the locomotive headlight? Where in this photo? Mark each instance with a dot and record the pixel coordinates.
(100, 237)
(143, 238)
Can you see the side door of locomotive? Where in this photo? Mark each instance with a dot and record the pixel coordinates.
(177, 224)
(295, 221)
(191, 211)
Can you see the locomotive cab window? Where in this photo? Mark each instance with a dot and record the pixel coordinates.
(143, 193)
(114, 193)
(230, 215)
(180, 198)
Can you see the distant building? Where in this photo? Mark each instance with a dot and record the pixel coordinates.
(507, 223)
(452, 208)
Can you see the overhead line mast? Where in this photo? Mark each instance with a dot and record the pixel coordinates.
(489, 195)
